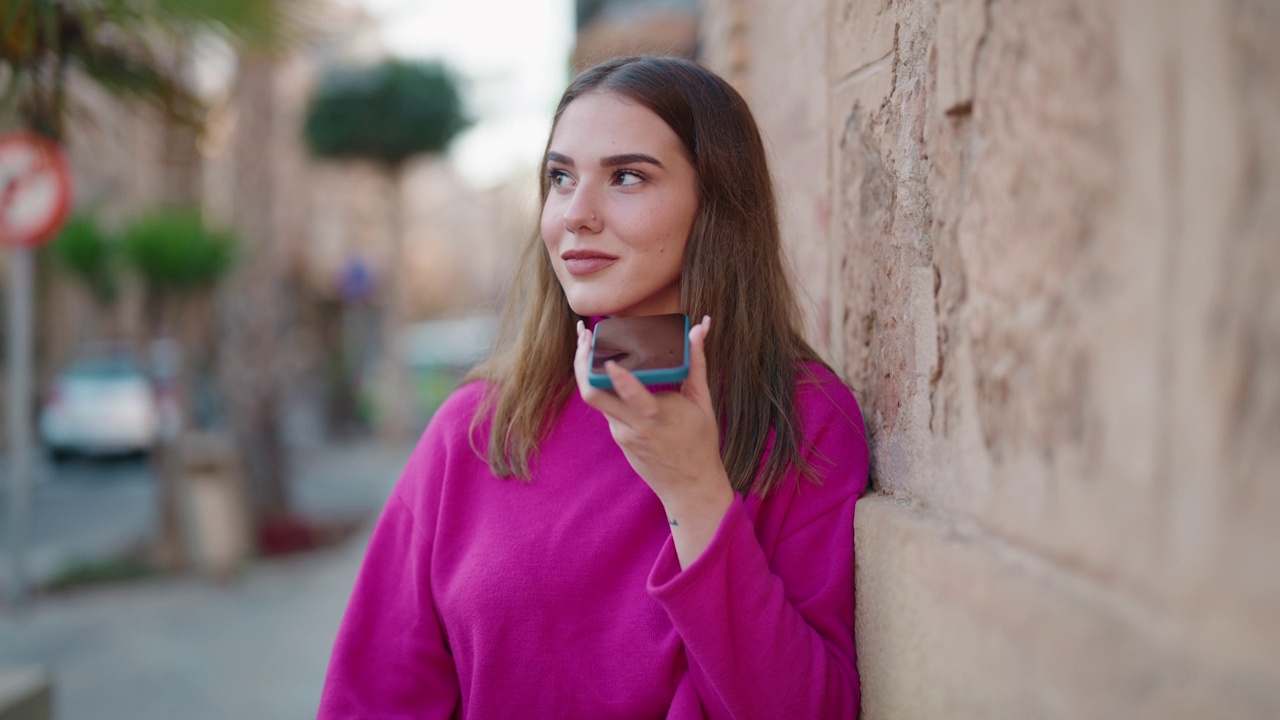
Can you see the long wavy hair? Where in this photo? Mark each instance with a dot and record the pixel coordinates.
(733, 270)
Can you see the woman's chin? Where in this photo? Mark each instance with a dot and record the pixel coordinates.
(586, 309)
(597, 310)
(593, 307)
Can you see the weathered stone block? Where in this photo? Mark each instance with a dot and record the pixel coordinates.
(861, 193)
(855, 105)
(924, 319)
(864, 30)
(1092, 377)
(955, 623)
(961, 25)
(867, 91)
(793, 113)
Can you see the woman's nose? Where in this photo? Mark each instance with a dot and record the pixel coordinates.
(581, 213)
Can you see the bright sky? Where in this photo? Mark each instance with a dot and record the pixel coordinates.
(513, 55)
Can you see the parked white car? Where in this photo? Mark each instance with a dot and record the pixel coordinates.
(99, 406)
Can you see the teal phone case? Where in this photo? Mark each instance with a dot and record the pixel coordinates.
(649, 376)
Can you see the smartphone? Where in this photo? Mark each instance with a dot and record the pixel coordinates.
(655, 348)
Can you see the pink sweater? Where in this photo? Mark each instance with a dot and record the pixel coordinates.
(483, 597)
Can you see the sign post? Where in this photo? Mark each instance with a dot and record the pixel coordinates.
(35, 197)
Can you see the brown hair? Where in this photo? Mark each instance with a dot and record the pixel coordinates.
(733, 271)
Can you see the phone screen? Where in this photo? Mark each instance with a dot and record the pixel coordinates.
(653, 347)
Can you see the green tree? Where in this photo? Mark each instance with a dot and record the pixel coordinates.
(179, 261)
(84, 249)
(388, 113)
(177, 257)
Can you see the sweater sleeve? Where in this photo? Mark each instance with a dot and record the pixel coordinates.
(390, 658)
(770, 634)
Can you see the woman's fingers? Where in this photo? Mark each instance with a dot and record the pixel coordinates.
(631, 391)
(696, 387)
(580, 354)
(606, 402)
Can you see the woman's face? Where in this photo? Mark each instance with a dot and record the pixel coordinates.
(620, 206)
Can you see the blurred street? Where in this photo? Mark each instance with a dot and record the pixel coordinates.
(184, 646)
(81, 510)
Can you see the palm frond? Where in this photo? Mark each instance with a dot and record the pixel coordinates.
(13, 10)
(29, 29)
(127, 46)
(260, 24)
(139, 76)
(12, 81)
(49, 25)
(11, 30)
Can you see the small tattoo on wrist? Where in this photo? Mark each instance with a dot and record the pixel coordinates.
(673, 522)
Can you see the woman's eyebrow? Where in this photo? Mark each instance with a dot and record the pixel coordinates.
(610, 161)
(629, 159)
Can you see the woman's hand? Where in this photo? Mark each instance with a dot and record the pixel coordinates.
(670, 439)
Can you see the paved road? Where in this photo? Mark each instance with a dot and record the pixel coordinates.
(185, 648)
(81, 510)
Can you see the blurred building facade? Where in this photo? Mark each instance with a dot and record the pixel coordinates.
(610, 28)
(1039, 240)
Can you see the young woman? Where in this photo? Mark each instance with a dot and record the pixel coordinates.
(555, 550)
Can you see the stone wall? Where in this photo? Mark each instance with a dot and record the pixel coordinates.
(1042, 242)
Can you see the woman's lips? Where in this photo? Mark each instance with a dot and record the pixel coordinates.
(581, 263)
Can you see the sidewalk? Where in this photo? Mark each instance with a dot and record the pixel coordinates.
(186, 648)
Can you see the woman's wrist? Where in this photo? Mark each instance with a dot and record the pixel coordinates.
(695, 515)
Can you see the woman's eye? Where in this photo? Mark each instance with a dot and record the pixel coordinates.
(628, 177)
(558, 178)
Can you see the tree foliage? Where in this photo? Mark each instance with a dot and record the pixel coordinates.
(173, 251)
(387, 112)
(85, 250)
(125, 46)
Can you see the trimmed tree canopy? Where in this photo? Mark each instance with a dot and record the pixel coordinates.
(174, 251)
(84, 249)
(388, 112)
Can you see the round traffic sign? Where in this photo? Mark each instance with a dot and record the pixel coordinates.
(35, 189)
